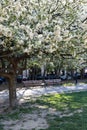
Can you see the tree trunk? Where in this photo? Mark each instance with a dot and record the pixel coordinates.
(82, 73)
(12, 92)
(12, 88)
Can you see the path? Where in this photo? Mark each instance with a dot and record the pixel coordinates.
(24, 93)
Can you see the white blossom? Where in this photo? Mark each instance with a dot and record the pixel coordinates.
(44, 21)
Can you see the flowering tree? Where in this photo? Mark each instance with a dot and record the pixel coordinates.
(42, 29)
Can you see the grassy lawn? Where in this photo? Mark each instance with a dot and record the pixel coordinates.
(73, 109)
(62, 111)
(72, 82)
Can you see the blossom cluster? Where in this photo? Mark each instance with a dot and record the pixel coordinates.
(40, 25)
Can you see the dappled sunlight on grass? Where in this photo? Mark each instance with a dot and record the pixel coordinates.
(61, 111)
(68, 84)
(71, 108)
(61, 101)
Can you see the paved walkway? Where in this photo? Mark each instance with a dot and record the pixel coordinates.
(34, 92)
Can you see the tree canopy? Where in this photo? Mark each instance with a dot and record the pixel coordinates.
(43, 27)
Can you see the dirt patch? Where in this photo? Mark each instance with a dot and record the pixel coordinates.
(28, 122)
(37, 119)
(28, 125)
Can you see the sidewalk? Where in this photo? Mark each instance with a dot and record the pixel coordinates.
(25, 93)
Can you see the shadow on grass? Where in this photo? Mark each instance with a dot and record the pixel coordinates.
(73, 109)
(68, 104)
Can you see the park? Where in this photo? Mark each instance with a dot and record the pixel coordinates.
(43, 64)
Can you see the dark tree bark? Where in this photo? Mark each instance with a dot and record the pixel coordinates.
(82, 73)
(9, 68)
(12, 89)
(12, 92)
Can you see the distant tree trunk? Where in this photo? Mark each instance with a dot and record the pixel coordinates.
(72, 72)
(43, 70)
(63, 72)
(82, 73)
(58, 72)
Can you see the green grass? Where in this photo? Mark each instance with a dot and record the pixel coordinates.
(1, 126)
(62, 101)
(72, 82)
(16, 114)
(66, 104)
(68, 84)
